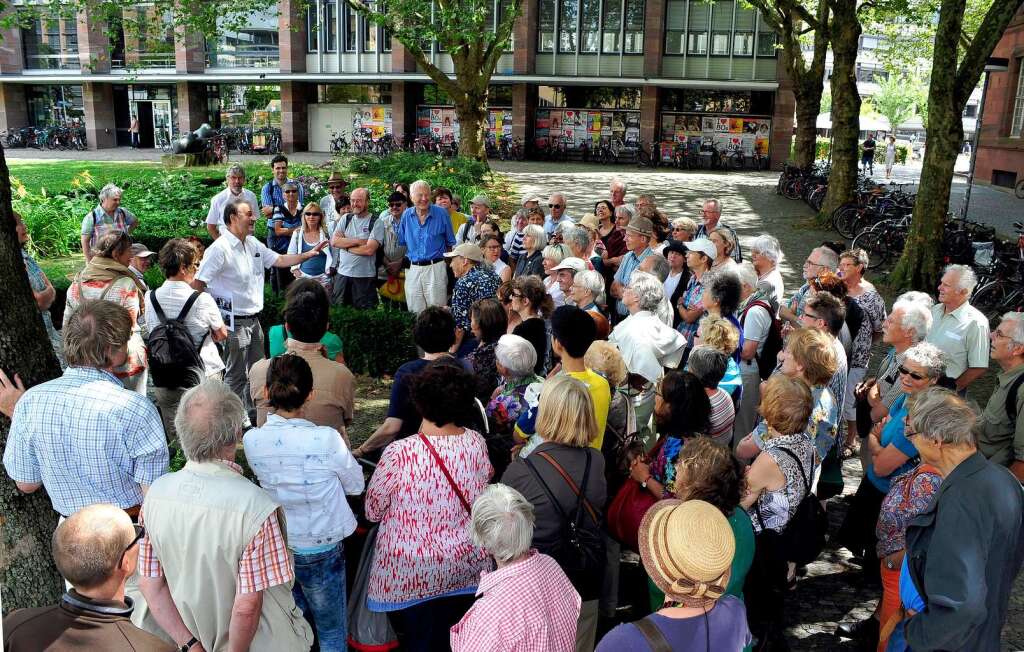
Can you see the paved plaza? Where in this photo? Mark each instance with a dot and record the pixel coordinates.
(830, 593)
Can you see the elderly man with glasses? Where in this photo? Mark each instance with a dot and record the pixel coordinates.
(557, 216)
(820, 259)
(96, 551)
(107, 217)
(357, 236)
(1000, 430)
(235, 182)
(711, 219)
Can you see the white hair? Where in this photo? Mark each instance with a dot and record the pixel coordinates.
(829, 258)
(235, 170)
(917, 318)
(658, 266)
(502, 523)
(516, 354)
(618, 183)
(919, 297)
(931, 359)
(539, 237)
(556, 253)
(767, 246)
(942, 416)
(109, 191)
(419, 183)
(592, 281)
(559, 195)
(648, 289)
(747, 274)
(967, 280)
(576, 235)
(1017, 333)
(209, 419)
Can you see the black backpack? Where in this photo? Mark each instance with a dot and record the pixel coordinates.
(579, 551)
(1011, 400)
(174, 360)
(768, 359)
(803, 538)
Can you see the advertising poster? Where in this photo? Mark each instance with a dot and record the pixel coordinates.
(721, 142)
(735, 125)
(422, 119)
(556, 120)
(543, 119)
(435, 116)
(707, 125)
(747, 141)
(721, 125)
(595, 122)
(761, 146)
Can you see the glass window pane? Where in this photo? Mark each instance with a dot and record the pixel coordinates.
(546, 28)
(766, 44)
(590, 35)
(331, 28)
(674, 41)
(720, 43)
(350, 29)
(743, 44)
(610, 40)
(369, 35)
(312, 30)
(634, 26)
(697, 43)
(567, 28)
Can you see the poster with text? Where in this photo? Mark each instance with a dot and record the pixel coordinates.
(761, 145)
(748, 141)
(721, 125)
(707, 125)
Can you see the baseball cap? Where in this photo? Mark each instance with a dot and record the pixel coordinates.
(704, 246)
(573, 263)
(139, 249)
(467, 250)
(529, 198)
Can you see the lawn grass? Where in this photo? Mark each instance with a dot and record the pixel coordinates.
(57, 176)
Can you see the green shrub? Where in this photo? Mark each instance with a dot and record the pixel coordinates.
(53, 221)
(375, 342)
(463, 176)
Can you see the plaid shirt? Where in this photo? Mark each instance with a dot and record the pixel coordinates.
(508, 616)
(87, 440)
(265, 562)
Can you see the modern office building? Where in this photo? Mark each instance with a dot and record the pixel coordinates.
(1000, 160)
(650, 71)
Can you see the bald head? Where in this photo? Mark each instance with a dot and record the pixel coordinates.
(88, 546)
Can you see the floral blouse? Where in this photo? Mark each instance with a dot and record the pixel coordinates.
(504, 409)
(909, 495)
(663, 467)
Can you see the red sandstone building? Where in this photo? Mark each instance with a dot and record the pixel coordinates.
(1001, 146)
(665, 72)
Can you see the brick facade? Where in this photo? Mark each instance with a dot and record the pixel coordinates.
(1001, 155)
(100, 130)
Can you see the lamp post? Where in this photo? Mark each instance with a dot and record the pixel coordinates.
(994, 64)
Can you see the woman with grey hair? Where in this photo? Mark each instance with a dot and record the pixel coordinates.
(505, 615)
(532, 260)
(551, 256)
(648, 345)
(964, 550)
(587, 293)
(285, 220)
(108, 216)
(515, 358)
(623, 215)
(890, 452)
(709, 365)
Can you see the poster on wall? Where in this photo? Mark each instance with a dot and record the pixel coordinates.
(722, 125)
(556, 120)
(748, 141)
(707, 125)
(761, 146)
(735, 125)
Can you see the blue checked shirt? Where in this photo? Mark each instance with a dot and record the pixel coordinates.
(630, 263)
(87, 440)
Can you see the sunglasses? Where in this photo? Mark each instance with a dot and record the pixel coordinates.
(291, 192)
(554, 205)
(913, 374)
(139, 533)
(314, 214)
(396, 204)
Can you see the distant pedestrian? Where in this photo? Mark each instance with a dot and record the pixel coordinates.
(867, 155)
(890, 155)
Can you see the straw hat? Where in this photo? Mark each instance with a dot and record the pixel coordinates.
(687, 550)
(590, 221)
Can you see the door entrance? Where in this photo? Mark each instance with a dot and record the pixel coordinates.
(144, 112)
(154, 122)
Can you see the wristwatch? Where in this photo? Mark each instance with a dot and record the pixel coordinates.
(188, 646)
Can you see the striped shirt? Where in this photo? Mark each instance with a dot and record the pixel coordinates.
(87, 439)
(265, 562)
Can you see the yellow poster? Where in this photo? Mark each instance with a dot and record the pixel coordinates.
(378, 114)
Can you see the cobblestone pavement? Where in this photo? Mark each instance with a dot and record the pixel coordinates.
(830, 593)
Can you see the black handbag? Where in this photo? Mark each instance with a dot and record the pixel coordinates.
(803, 538)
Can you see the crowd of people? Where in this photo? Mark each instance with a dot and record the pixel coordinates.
(591, 388)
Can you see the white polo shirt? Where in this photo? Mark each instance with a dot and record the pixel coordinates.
(220, 200)
(233, 268)
(962, 335)
(200, 320)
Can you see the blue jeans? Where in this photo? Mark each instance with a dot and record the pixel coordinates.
(319, 591)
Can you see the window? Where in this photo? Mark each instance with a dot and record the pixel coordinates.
(1018, 102)
(546, 29)
(675, 27)
(743, 44)
(567, 27)
(312, 28)
(697, 43)
(590, 35)
(351, 25)
(634, 26)
(369, 35)
(720, 43)
(612, 24)
(766, 44)
(971, 111)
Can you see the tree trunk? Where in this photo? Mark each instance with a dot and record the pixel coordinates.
(807, 108)
(28, 577)
(845, 35)
(472, 128)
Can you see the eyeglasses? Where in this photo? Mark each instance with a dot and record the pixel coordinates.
(810, 315)
(554, 205)
(396, 204)
(811, 262)
(335, 186)
(291, 192)
(139, 533)
(913, 374)
(314, 214)
(996, 333)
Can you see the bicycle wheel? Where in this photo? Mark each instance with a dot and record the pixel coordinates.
(844, 218)
(877, 242)
(991, 299)
(793, 189)
(1019, 189)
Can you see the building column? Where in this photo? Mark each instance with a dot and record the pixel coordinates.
(189, 52)
(401, 59)
(524, 107)
(93, 45)
(295, 97)
(403, 121)
(524, 39)
(13, 108)
(654, 37)
(100, 131)
(291, 35)
(783, 119)
(12, 58)
(191, 106)
(650, 105)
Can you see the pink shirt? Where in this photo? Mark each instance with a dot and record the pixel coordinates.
(529, 606)
(423, 547)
